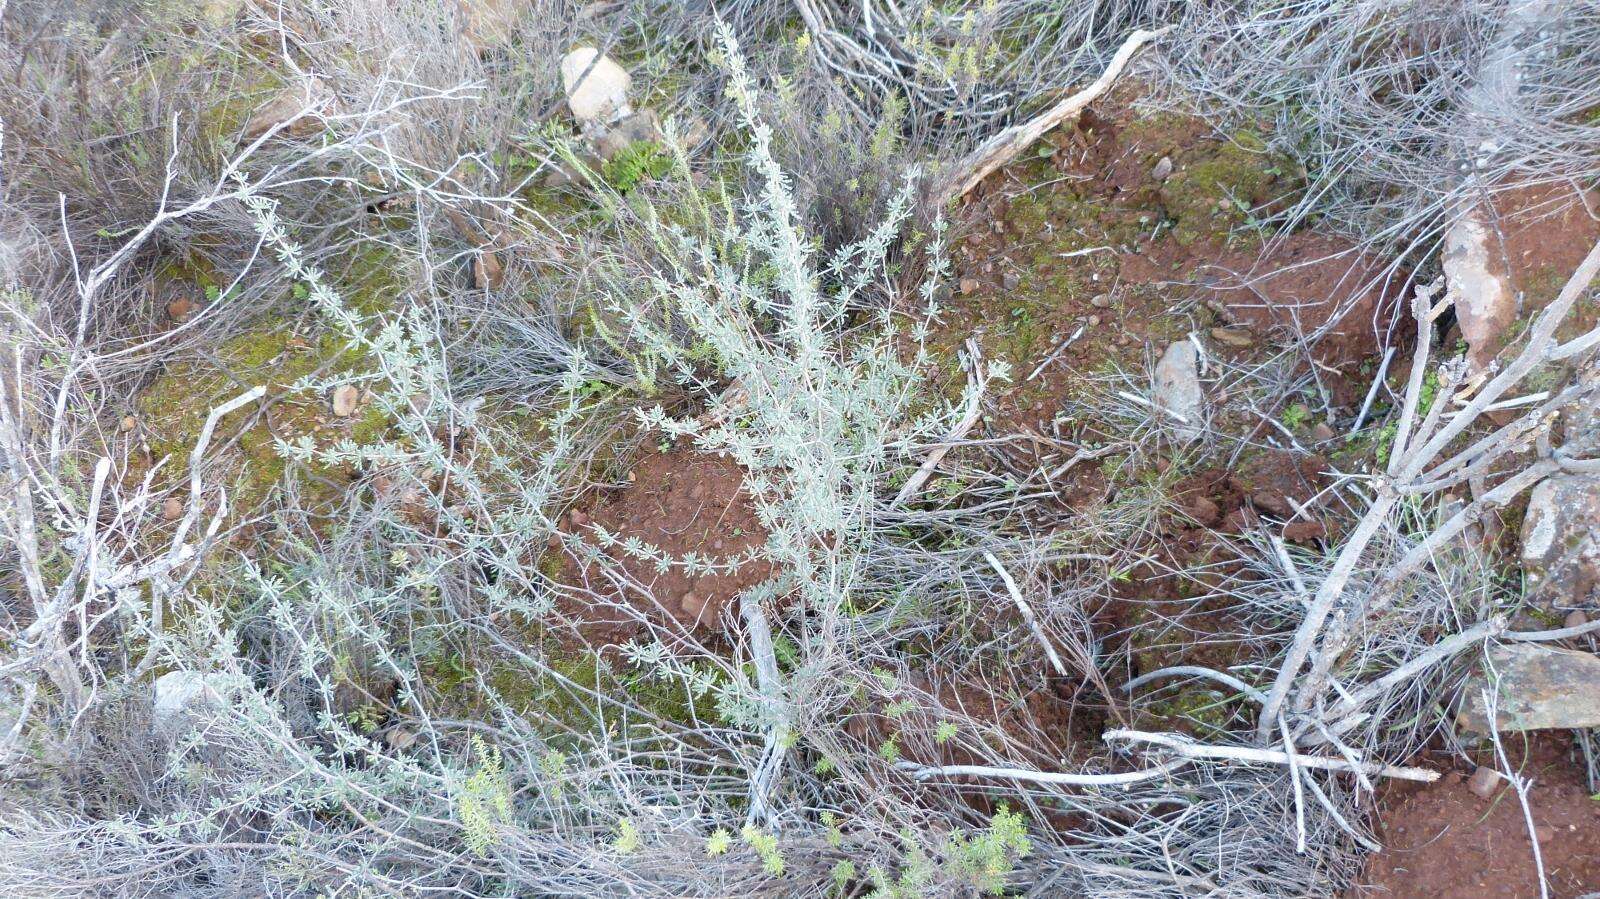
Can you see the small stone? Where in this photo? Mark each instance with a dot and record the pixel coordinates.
(128, 423)
(1272, 502)
(1234, 337)
(1323, 432)
(1575, 618)
(1484, 782)
(1101, 301)
(180, 693)
(1203, 510)
(1163, 169)
(1304, 531)
(1010, 280)
(487, 273)
(968, 286)
(171, 509)
(692, 604)
(596, 93)
(578, 517)
(180, 309)
(1177, 390)
(344, 400)
(1094, 321)
(1544, 833)
(400, 738)
(640, 127)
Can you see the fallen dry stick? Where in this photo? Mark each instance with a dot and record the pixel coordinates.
(1004, 147)
(921, 772)
(1192, 750)
(1027, 613)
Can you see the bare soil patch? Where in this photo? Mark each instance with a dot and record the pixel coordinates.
(1544, 231)
(1444, 840)
(1127, 230)
(677, 502)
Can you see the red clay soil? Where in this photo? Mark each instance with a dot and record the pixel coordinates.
(1310, 284)
(1544, 232)
(1037, 715)
(1443, 840)
(678, 502)
(1078, 253)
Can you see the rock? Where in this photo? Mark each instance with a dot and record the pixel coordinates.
(1484, 782)
(1272, 502)
(180, 309)
(1234, 337)
(1094, 321)
(178, 693)
(1010, 280)
(561, 175)
(1204, 510)
(1544, 833)
(128, 423)
(1177, 390)
(968, 286)
(1163, 169)
(171, 509)
(642, 126)
(1538, 688)
(1561, 541)
(1323, 432)
(597, 94)
(1304, 531)
(693, 606)
(1485, 304)
(344, 400)
(1575, 618)
(400, 738)
(1101, 301)
(487, 272)
(578, 517)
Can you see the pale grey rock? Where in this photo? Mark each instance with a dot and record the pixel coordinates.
(1177, 392)
(597, 94)
(1533, 687)
(179, 693)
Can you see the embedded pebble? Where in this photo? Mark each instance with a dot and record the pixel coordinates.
(1484, 782)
